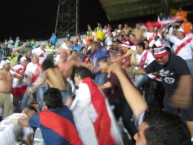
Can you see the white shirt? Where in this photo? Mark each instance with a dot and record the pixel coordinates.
(148, 59)
(16, 80)
(84, 115)
(64, 46)
(186, 51)
(10, 131)
(41, 53)
(30, 70)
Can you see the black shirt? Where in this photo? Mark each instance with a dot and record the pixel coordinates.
(170, 72)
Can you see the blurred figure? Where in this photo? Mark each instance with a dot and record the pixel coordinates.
(53, 39)
(181, 14)
(187, 26)
(153, 123)
(12, 132)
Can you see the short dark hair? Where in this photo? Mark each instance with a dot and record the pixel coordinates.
(53, 98)
(83, 72)
(165, 129)
(142, 45)
(31, 107)
(103, 59)
(74, 51)
(83, 48)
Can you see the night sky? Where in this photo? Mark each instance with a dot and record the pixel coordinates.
(36, 19)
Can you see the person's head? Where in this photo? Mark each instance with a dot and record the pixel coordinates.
(180, 33)
(23, 61)
(75, 42)
(84, 51)
(146, 42)
(125, 46)
(120, 26)
(80, 74)
(63, 54)
(74, 54)
(48, 63)
(140, 48)
(94, 47)
(35, 59)
(5, 64)
(28, 53)
(68, 43)
(13, 53)
(103, 64)
(29, 110)
(161, 55)
(42, 46)
(138, 26)
(52, 98)
(49, 43)
(125, 25)
(162, 128)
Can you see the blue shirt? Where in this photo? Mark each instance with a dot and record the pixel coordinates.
(94, 57)
(77, 48)
(57, 126)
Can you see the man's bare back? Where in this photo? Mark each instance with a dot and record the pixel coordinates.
(55, 78)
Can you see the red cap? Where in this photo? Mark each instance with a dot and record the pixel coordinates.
(160, 52)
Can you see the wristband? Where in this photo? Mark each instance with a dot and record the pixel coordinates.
(31, 90)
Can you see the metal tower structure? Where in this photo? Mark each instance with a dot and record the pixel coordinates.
(67, 18)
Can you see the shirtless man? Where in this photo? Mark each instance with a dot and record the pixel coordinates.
(138, 32)
(66, 66)
(6, 78)
(54, 78)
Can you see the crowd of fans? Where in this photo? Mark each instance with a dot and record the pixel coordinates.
(77, 92)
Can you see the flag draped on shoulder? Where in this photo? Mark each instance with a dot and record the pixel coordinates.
(104, 125)
(62, 126)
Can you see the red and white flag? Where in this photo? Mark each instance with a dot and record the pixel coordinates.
(92, 115)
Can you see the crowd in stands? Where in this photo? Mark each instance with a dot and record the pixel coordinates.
(78, 91)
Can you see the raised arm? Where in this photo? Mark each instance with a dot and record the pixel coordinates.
(105, 85)
(38, 84)
(19, 48)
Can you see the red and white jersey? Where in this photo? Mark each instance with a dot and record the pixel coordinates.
(147, 60)
(18, 69)
(149, 35)
(93, 117)
(186, 51)
(31, 71)
(19, 87)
